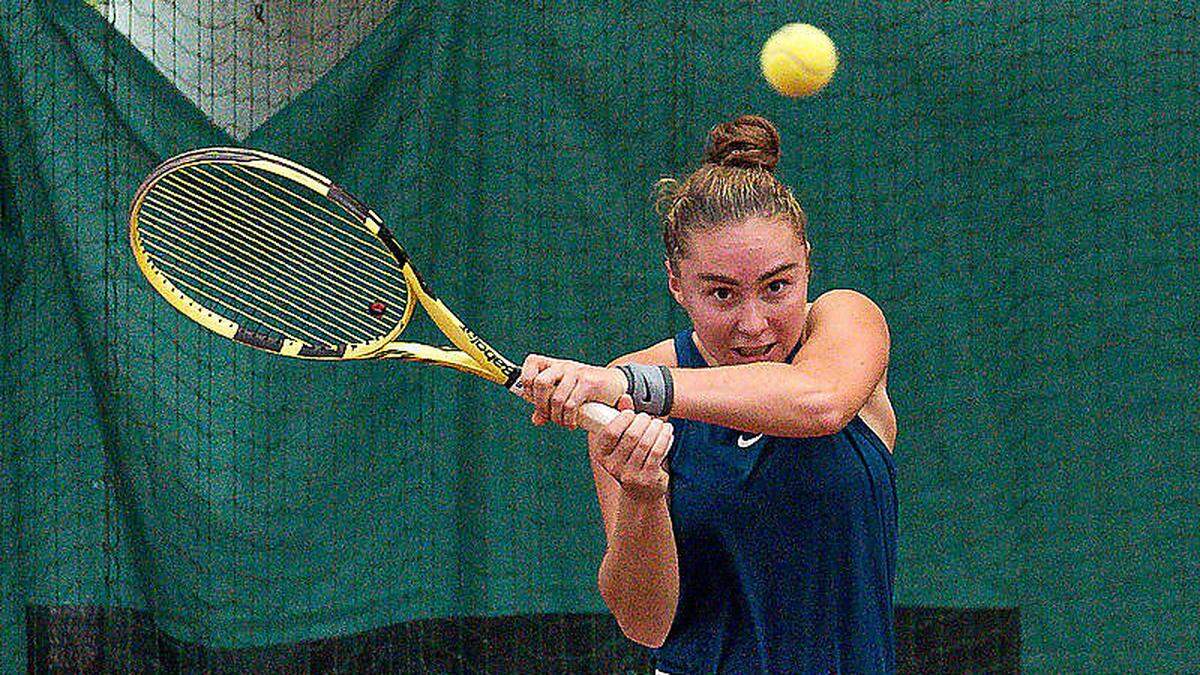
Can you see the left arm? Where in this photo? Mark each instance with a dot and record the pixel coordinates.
(835, 372)
(842, 361)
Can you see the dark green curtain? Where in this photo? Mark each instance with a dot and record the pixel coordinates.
(1014, 183)
(247, 500)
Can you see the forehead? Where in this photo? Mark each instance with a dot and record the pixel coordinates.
(742, 250)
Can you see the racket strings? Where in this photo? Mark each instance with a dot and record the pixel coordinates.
(306, 217)
(352, 226)
(217, 237)
(239, 281)
(193, 280)
(256, 321)
(380, 266)
(291, 266)
(234, 234)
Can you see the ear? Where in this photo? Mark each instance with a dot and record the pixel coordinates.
(673, 282)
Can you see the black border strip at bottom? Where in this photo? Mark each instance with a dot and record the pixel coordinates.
(108, 640)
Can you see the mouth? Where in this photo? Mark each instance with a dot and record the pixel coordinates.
(752, 352)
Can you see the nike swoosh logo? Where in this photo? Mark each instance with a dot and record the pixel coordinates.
(744, 442)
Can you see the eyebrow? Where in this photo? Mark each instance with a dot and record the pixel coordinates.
(721, 279)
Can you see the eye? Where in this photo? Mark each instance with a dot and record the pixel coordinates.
(721, 293)
(776, 287)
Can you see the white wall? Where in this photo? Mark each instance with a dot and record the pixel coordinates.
(237, 68)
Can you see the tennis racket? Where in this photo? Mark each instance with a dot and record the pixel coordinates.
(263, 251)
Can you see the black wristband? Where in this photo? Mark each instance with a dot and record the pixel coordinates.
(650, 387)
(669, 385)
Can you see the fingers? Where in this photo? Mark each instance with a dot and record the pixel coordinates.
(570, 407)
(610, 436)
(656, 461)
(564, 393)
(558, 388)
(652, 447)
(636, 456)
(537, 418)
(625, 402)
(533, 365)
(539, 377)
(631, 438)
(541, 388)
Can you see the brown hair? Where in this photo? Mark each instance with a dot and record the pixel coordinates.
(734, 183)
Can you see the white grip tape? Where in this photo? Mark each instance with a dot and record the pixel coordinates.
(595, 416)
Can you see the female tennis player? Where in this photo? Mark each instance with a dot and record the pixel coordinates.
(771, 545)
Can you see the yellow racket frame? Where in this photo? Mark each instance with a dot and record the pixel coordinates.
(470, 353)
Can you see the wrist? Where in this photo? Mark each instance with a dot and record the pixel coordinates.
(616, 386)
(651, 388)
(638, 500)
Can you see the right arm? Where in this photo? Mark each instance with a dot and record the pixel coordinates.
(639, 576)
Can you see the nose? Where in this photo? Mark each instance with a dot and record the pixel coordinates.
(752, 320)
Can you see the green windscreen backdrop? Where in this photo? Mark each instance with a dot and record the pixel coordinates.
(1016, 184)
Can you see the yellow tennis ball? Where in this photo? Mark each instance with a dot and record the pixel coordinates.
(798, 59)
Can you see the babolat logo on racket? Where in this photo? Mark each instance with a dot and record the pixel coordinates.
(377, 309)
(491, 354)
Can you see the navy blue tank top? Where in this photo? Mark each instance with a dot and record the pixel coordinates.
(787, 549)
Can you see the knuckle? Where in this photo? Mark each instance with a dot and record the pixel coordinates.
(631, 438)
(619, 423)
(624, 439)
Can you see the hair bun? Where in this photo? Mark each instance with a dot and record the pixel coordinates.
(748, 142)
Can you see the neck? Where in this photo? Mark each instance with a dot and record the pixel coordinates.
(704, 353)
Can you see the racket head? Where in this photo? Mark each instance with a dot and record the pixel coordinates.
(271, 254)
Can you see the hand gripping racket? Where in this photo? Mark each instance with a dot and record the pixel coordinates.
(268, 253)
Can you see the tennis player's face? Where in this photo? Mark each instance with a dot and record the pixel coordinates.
(745, 287)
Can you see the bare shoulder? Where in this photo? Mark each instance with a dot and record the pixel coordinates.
(660, 354)
(844, 299)
(841, 305)
(851, 313)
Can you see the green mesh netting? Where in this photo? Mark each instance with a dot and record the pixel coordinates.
(1016, 184)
